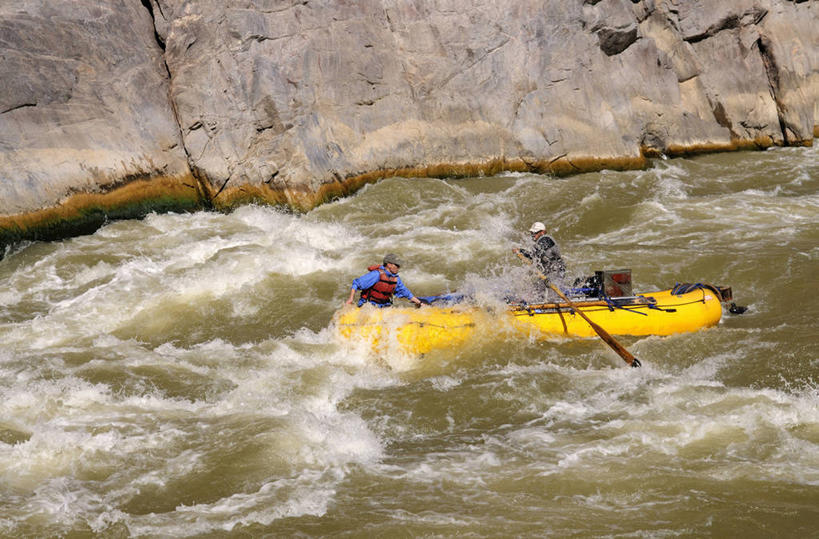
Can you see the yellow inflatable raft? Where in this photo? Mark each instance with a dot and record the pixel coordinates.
(418, 331)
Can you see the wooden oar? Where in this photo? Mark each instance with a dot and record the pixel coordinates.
(608, 339)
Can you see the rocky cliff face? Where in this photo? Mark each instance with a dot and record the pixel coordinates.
(118, 107)
(84, 109)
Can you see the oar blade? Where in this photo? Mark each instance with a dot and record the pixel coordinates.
(607, 338)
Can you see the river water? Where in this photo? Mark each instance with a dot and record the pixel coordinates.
(179, 375)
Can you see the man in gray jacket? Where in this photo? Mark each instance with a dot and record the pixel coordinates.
(544, 254)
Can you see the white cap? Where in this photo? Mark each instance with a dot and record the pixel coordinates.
(537, 226)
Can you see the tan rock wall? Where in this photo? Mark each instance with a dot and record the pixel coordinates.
(224, 103)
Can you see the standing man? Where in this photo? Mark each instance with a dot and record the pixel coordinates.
(381, 283)
(545, 254)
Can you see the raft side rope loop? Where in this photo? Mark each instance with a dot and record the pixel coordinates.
(683, 288)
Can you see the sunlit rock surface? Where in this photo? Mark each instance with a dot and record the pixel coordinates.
(115, 108)
(83, 102)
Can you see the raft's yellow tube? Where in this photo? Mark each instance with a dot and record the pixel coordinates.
(413, 330)
(418, 331)
(691, 311)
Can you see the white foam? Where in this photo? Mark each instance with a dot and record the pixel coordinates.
(79, 452)
(444, 383)
(309, 494)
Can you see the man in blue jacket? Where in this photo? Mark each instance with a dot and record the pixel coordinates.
(381, 283)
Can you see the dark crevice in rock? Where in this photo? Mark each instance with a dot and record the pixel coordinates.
(200, 177)
(728, 23)
(20, 106)
(772, 70)
(272, 177)
(769, 62)
(159, 7)
(222, 189)
(150, 8)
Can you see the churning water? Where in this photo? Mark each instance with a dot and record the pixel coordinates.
(179, 375)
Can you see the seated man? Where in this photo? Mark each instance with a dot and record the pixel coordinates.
(381, 283)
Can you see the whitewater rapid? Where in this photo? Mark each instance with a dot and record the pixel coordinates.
(180, 375)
